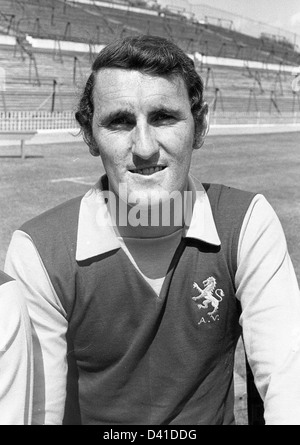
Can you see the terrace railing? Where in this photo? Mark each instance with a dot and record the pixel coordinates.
(254, 118)
(36, 120)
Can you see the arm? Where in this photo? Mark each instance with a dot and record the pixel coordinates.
(49, 327)
(268, 290)
(16, 367)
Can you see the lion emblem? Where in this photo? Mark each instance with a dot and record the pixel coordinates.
(207, 295)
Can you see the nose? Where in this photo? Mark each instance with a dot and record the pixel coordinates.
(144, 143)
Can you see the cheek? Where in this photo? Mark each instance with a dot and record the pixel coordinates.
(182, 144)
(111, 148)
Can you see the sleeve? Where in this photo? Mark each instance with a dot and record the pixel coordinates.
(49, 326)
(268, 290)
(16, 366)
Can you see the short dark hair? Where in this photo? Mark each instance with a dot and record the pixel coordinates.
(151, 55)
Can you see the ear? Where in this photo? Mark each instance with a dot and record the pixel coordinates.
(202, 126)
(93, 146)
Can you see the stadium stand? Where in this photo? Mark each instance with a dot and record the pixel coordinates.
(52, 44)
(50, 75)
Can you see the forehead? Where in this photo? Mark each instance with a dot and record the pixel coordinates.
(131, 88)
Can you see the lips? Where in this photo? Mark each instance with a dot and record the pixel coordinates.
(147, 170)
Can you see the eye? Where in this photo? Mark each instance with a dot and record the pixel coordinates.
(163, 118)
(121, 122)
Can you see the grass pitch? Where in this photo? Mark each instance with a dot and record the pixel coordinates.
(267, 164)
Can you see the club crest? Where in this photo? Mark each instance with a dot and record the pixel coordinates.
(208, 296)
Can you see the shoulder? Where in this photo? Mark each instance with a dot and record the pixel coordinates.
(262, 221)
(60, 215)
(228, 203)
(221, 191)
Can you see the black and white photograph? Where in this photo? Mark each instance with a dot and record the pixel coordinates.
(149, 215)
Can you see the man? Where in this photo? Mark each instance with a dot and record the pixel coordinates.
(15, 355)
(139, 291)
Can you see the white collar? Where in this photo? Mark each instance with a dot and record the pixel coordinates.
(97, 236)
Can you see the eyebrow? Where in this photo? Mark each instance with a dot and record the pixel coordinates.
(165, 109)
(126, 112)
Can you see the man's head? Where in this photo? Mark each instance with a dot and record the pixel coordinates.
(143, 112)
(152, 55)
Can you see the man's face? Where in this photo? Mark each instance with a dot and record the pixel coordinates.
(144, 129)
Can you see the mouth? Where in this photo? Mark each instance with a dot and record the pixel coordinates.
(147, 171)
